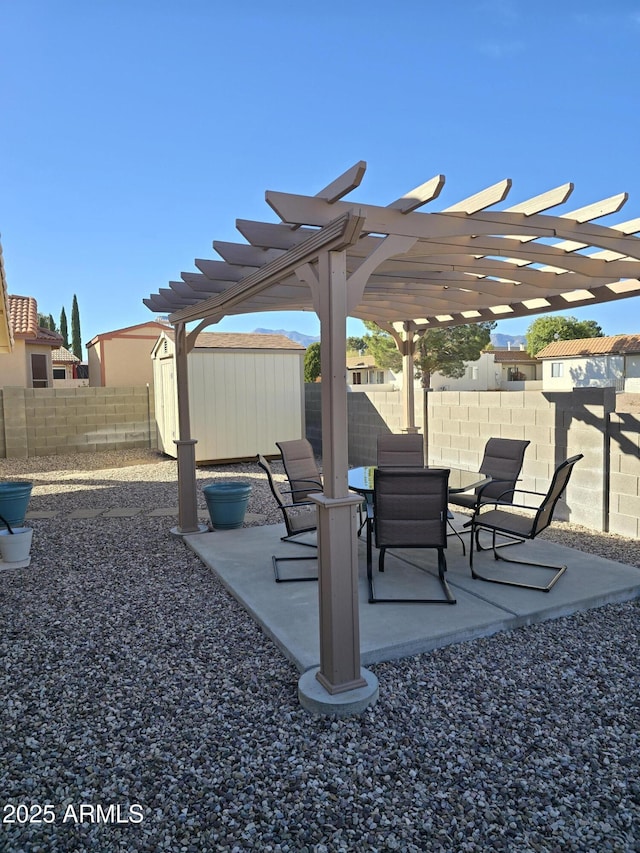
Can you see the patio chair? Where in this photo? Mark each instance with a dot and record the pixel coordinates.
(398, 450)
(410, 511)
(502, 461)
(522, 527)
(298, 518)
(301, 469)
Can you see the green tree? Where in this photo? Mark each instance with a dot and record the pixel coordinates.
(357, 344)
(46, 321)
(447, 350)
(76, 340)
(312, 362)
(545, 330)
(382, 347)
(64, 330)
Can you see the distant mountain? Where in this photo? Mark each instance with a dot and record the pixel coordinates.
(499, 340)
(305, 340)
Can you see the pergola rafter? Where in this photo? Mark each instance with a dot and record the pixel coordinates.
(408, 270)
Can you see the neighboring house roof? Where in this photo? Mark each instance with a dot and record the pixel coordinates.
(512, 355)
(367, 362)
(23, 313)
(24, 316)
(63, 356)
(615, 344)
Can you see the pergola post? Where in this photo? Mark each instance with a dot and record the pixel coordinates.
(339, 672)
(185, 445)
(408, 397)
(337, 531)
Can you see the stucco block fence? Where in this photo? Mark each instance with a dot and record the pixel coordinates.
(604, 492)
(51, 421)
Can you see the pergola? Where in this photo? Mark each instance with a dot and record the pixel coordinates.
(407, 270)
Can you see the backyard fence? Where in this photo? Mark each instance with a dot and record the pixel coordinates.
(604, 493)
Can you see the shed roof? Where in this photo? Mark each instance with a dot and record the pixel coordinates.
(592, 346)
(240, 340)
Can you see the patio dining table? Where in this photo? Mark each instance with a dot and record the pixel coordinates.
(361, 480)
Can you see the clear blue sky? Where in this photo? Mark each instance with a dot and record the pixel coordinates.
(135, 132)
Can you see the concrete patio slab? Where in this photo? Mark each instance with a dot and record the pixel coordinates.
(288, 612)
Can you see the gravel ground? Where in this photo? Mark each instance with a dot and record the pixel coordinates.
(144, 710)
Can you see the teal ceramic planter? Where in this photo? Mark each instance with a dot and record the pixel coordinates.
(227, 503)
(14, 500)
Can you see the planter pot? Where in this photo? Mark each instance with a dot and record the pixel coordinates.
(227, 503)
(15, 547)
(14, 500)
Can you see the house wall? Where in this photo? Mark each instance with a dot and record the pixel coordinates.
(122, 361)
(13, 366)
(480, 375)
(49, 421)
(632, 374)
(595, 372)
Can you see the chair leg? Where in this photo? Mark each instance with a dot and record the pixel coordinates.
(442, 568)
(276, 572)
(455, 532)
(558, 570)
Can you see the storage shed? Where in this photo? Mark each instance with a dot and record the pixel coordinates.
(246, 391)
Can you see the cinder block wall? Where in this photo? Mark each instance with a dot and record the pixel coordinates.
(49, 421)
(624, 510)
(604, 492)
(558, 425)
(369, 413)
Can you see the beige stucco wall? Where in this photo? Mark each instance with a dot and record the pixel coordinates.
(13, 367)
(122, 358)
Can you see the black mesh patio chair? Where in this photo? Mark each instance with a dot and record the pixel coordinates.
(299, 518)
(410, 511)
(301, 468)
(506, 522)
(400, 450)
(502, 461)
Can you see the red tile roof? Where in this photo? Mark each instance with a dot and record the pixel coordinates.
(23, 312)
(592, 346)
(24, 322)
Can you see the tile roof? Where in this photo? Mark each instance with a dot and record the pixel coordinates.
(23, 312)
(511, 355)
(355, 361)
(62, 355)
(591, 346)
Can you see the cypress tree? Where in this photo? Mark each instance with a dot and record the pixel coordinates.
(52, 323)
(64, 330)
(76, 340)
